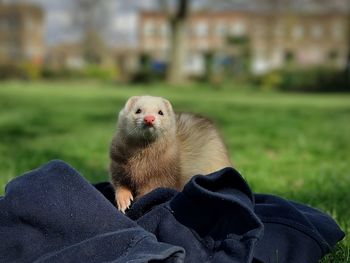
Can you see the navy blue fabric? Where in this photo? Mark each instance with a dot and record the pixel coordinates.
(53, 215)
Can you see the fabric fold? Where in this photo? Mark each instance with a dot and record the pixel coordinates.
(212, 218)
(52, 214)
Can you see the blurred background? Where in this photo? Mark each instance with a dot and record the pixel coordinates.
(274, 75)
(273, 44)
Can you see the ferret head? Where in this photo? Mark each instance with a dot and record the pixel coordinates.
(147, 118)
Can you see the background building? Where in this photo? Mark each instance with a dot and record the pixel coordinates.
(268, 40)
(21, 34)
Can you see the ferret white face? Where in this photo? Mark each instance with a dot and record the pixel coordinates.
(147, 118)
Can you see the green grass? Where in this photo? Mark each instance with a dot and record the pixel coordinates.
(293, 145)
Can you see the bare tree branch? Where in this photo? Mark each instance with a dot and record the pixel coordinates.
(91, 18)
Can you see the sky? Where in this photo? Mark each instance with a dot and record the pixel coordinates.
(121, 27)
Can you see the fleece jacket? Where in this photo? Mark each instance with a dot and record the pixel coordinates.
(52, 214)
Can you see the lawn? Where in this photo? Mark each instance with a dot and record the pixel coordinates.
(293, 145)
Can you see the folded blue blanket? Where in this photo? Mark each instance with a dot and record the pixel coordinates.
(52, 214)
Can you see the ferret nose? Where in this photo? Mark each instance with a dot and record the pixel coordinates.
(149, 119)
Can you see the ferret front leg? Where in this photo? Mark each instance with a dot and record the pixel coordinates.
(123, 198)
(145, 190)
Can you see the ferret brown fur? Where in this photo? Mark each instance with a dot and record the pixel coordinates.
(154, 147)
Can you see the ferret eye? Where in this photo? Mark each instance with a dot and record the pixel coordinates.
(160, 112)
(138, 111)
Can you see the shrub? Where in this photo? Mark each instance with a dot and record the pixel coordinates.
(271, 81)
(11, 71)
(305, 80)
(99, 72)
(20, 71)
(90, 71)
(62, 73)
(149, 70)
(31, 71)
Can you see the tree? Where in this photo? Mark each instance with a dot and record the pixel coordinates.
(177, 17)
(347, 66)
(90, 18)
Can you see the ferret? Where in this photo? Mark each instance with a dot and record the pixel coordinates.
(156, 147)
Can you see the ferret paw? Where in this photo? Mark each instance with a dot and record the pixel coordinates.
(123, 198)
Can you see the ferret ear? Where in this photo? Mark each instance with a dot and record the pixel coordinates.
(131, 102)
(168, 105)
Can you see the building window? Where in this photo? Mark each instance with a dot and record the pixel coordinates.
(3, 24)
(164, 30)
(337, 30)
(221, 29)
(260, 30)
(164, 45)
(298, 32)
(32, 50)
(279, 30)
(316, 31)
(201, 29)
(238, 29)
(15, 52)
(259, 65)
(13, 22)
(149, 28)
(195, 64)
(4, 48)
